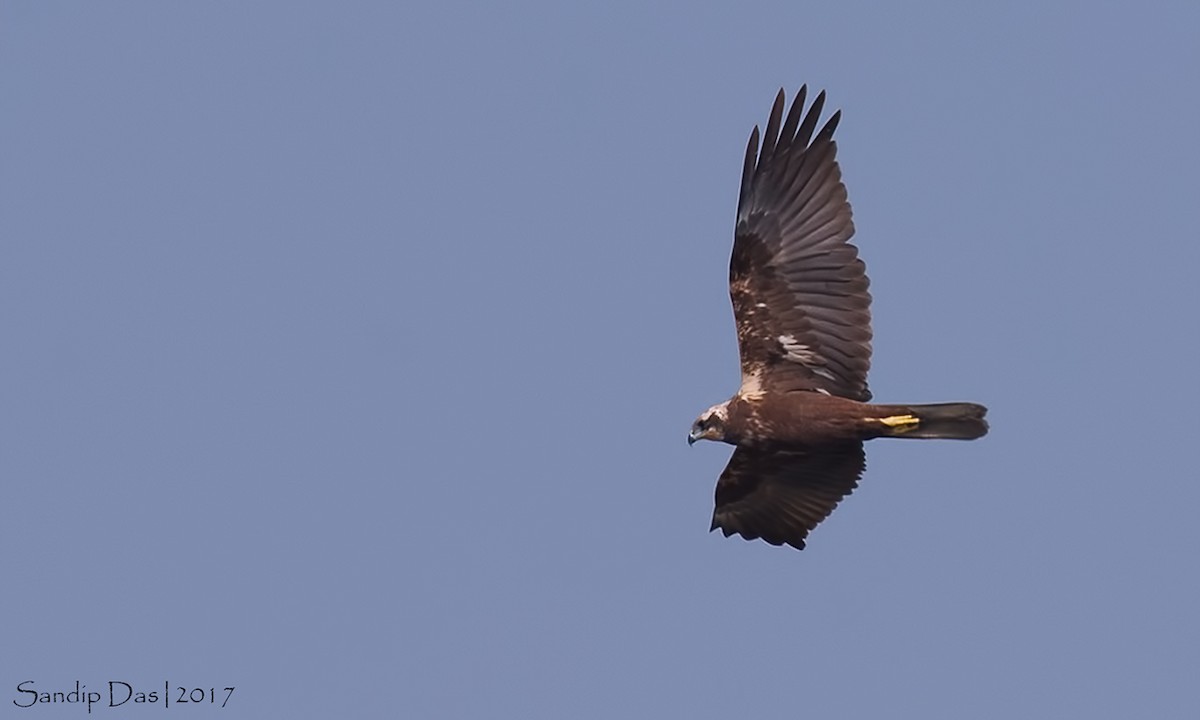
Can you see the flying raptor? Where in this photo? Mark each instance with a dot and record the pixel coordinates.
(803, 316)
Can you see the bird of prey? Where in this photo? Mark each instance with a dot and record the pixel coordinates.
(803, 316)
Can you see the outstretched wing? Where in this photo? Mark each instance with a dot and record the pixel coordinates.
(798, 288)
(781, 495)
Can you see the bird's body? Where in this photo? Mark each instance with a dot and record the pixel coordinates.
(813, 419)
(802, 418)
(802, 310)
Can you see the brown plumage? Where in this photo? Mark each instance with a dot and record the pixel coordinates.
(803, 314)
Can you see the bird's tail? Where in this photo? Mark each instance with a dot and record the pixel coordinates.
(954, 421)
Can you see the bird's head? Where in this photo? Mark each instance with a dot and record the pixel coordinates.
(711, 424)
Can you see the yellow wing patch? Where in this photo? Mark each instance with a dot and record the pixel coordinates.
(901, 423)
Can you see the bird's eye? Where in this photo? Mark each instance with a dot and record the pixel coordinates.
(702, 423)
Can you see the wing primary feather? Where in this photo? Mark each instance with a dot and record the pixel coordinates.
(771, 134)
(810, 120)
(793, 118)
(748, 170)
(831, 124)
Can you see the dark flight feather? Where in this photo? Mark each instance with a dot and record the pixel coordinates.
(793, 273)
(781, 495)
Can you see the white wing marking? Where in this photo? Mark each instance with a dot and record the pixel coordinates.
(752, 388)
(803, 354)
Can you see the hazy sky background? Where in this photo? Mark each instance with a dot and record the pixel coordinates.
(349, 351)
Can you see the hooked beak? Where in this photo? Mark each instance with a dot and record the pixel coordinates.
(692, 438)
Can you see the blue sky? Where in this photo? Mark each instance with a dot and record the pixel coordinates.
(350, 351)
